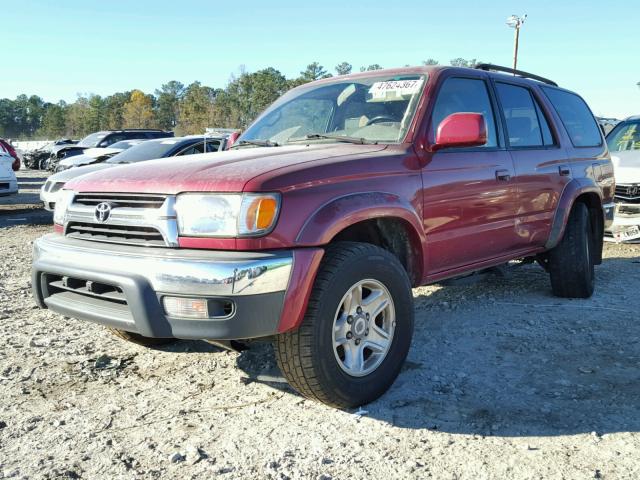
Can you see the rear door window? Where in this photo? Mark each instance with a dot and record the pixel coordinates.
(468, 95)
(576, 117)
(526, 125)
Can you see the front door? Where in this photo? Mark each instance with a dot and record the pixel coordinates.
(470, 200)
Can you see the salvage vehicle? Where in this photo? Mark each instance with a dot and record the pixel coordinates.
(101, 140)
(150, 150)
(37, 159)
(342, 196)
(624, 145)
(8, 180)
(95, 155)
(8, 148)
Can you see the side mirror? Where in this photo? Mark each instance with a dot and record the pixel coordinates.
(461, 130)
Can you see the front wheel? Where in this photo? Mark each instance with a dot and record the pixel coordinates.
(357, 329)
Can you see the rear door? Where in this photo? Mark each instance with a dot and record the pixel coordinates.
(469, 196)
(541, 166)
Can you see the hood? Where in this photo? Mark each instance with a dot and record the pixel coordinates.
(59, 148)
(227, 171)
(626, 166)
(90, 155)
(72, 173)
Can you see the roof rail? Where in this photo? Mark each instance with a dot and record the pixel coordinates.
(497, 68)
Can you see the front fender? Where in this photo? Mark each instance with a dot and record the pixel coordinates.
(571, 192)
(339, 213)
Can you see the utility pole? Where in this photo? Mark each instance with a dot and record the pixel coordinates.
(515, 22)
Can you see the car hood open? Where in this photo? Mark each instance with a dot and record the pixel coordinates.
(212, 172)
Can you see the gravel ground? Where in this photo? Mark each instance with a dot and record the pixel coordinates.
(502, 381)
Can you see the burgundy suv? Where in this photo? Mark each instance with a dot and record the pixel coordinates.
(341, 197)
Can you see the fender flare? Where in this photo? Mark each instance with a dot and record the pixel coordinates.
(342, 212)
(571, 192)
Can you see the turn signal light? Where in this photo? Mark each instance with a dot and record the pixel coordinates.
(186, 307)
(261, 213)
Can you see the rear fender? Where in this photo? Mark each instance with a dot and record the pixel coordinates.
(571, 192)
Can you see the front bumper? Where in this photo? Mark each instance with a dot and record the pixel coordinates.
(10, 188)
(123, 287)
(625, 225)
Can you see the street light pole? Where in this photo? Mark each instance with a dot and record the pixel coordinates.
(516, 22)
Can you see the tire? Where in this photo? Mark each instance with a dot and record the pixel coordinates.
(310, 357)
(571, 264)
(140, 340)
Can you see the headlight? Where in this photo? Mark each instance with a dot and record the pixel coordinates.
(65, 197)
(227, 214)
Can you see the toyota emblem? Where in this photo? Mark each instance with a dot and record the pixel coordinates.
(103, 212)
(633, 190)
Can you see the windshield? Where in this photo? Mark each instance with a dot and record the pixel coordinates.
(371, 110)
(626, 136)
(92, 140)
(145, 151)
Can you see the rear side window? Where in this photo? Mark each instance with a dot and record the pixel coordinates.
(465, 95)
(576, 118)
(526, 125)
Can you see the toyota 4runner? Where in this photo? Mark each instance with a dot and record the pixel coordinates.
(341, 197)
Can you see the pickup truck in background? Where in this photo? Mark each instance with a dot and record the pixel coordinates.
(341, 197)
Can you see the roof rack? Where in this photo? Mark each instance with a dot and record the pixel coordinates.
(497, 68)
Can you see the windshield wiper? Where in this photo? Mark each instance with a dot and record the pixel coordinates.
(341, 138)
(258, 143)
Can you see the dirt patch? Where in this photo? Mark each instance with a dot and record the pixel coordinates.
(503, 381)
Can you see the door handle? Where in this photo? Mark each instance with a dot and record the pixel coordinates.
(503, 175)
(564, 170)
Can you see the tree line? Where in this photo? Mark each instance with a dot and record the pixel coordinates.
(185, 109)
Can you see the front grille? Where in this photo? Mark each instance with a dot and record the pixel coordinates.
(120, 200)
(628, 193)
(100, 232)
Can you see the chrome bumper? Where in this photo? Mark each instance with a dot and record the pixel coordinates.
(255, 283)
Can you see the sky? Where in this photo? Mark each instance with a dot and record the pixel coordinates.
(58, 50)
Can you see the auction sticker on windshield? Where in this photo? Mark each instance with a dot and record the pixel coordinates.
(395, 88)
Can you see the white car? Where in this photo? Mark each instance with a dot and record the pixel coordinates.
(8, 180)
(147, 150)
(95, 155)
(624, 145)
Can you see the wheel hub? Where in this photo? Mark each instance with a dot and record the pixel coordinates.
(363, 327)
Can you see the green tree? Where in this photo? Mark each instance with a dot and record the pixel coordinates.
(430, 61)
(77, 118)
(461, 62)
(375, 66)
(53, 121)
(168, 103)
(314, 71)
(344, 68)
(195, 109)
(138, 111)
(114, 110)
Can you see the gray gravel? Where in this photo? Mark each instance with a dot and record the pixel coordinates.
(503, 381)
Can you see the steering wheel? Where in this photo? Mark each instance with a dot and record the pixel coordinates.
(380, 118)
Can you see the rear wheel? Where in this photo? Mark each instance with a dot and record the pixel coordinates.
(141, 340)
(570, 263)
(357, 329)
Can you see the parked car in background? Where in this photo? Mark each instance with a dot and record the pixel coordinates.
(95, 155)
(342, 196)
(624, 145)
(8, 180)
(147, 150)
(102, 139)
(607, 124)
(8, 148)
(37, 159)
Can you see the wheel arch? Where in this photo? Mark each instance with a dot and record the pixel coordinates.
(378, 218)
